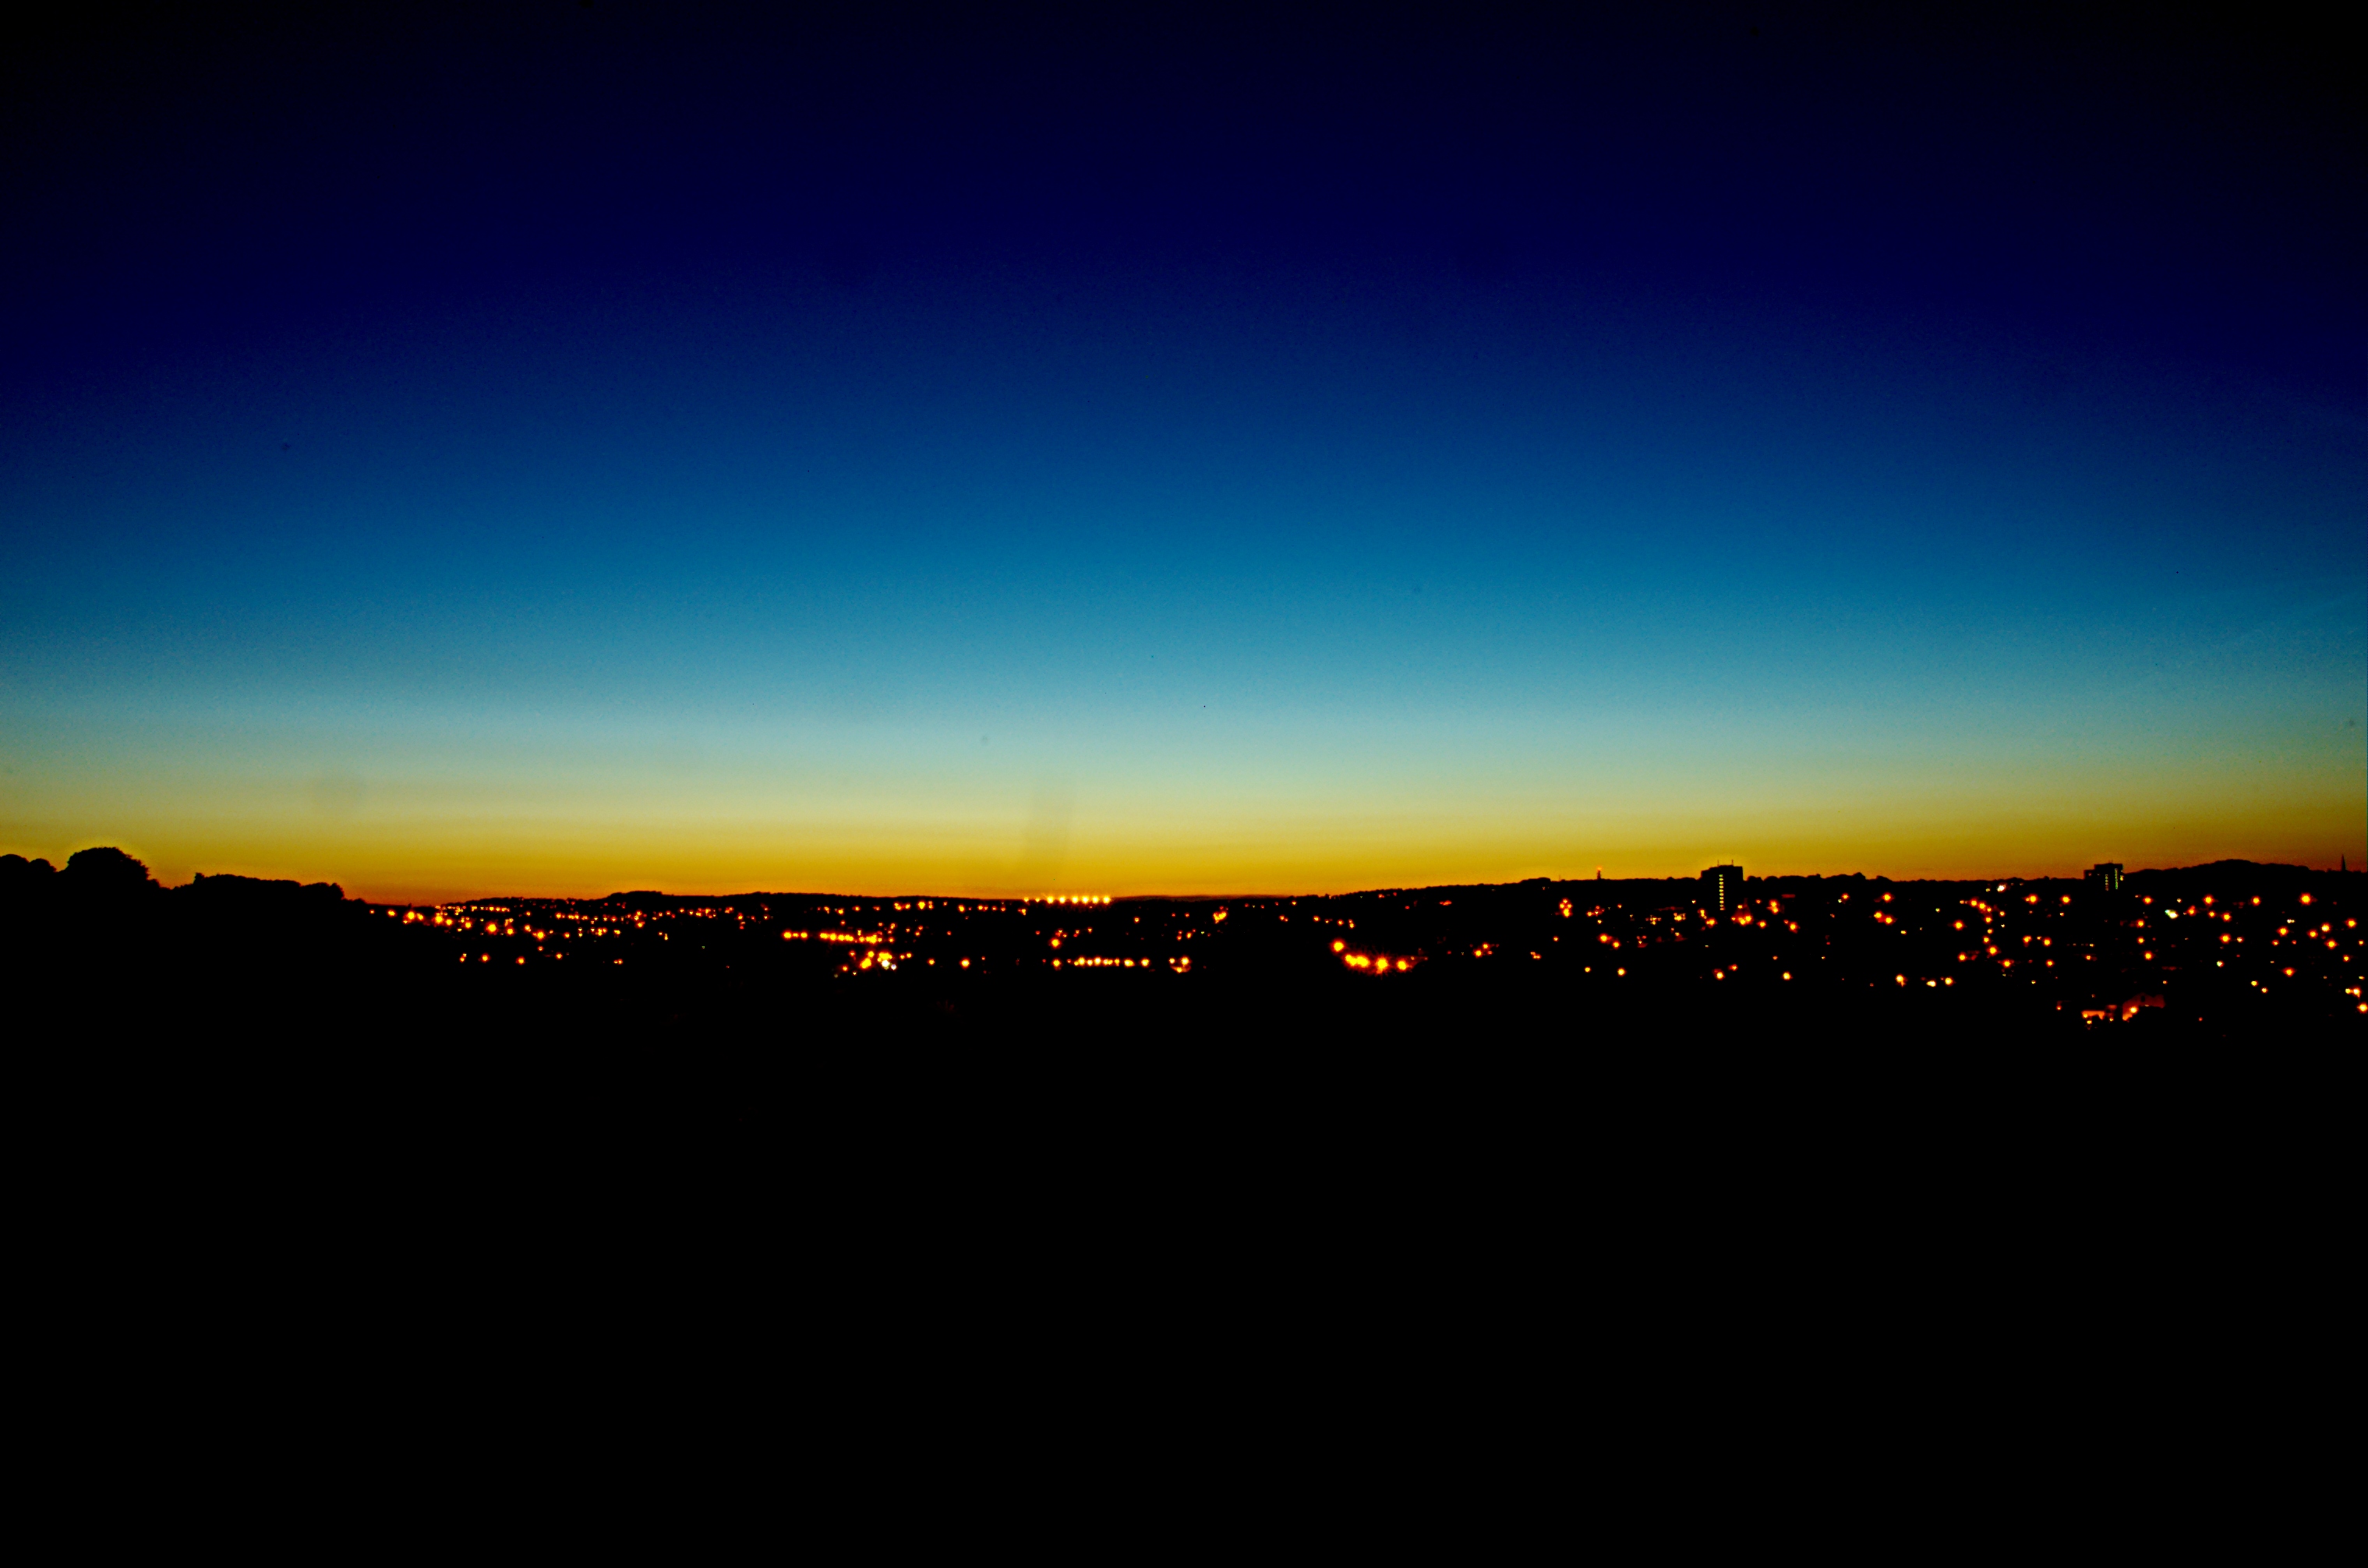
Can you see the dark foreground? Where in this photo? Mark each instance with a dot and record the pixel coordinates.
(1539, 1011)
(288, 1156)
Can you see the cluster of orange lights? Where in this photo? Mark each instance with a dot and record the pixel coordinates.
(1986, 940)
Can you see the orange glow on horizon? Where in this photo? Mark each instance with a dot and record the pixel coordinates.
(430, 859)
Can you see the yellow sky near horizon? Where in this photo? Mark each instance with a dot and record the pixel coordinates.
(431, 861)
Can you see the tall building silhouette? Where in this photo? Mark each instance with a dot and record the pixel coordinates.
(1722, 888)
(2106, 875)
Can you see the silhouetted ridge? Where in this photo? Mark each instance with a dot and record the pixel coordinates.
(245, 894)
(2225, 950)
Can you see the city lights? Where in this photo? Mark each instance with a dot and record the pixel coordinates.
(2082, 958)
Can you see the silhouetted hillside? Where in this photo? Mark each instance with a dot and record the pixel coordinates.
(2230, 950)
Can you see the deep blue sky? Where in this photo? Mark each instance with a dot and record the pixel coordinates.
(551, 448)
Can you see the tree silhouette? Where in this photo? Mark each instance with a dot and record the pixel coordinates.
(106, 872)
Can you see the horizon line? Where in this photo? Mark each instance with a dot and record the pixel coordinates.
(1095, 899)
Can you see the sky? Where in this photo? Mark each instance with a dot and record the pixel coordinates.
(553, 448)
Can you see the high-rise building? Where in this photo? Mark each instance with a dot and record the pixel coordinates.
(1722, 888)
(2107, 876)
